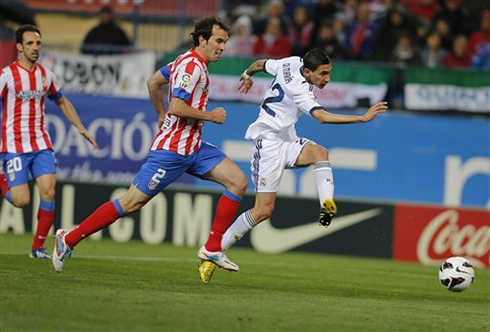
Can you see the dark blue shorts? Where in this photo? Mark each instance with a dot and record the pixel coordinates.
(163, 167)
(19, 167)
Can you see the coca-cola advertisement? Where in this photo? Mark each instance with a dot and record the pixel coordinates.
(431, 234)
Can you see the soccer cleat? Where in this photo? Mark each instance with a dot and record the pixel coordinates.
(206, 270)
(329, 210)
(39, 253)
(217, 257)
(61, 250)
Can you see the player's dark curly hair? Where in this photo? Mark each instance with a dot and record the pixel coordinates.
(204, 28)
(315, 58)
(19, 34)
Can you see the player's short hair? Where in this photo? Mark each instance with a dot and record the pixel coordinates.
(204, 27)
(19, 34)
(315, 58)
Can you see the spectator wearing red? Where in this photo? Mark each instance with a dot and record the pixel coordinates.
(480, 39)
(425, 9)
(360, 35)
(300, 31)
(459, 57)
(272, 43)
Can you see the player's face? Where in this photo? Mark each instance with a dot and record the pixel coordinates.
(321, 76)
(30, 47)
(214, 47)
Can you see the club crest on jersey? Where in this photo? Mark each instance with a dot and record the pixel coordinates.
(152, 184)
(185, 81)
(44, 82)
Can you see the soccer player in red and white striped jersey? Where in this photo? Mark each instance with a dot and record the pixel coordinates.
(178, 149)
(25, 146)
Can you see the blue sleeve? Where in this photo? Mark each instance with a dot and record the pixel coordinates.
(181, 94)
(55, 96)
(165, 71)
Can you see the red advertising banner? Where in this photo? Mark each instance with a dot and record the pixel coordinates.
(431, 234)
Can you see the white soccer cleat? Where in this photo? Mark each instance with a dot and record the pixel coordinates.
(61, 250)
(217, 257)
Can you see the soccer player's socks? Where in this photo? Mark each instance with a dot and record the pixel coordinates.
(242, 225)
(323, 180)
(4, 188)
(225, 212)
(45, 218)
(105, 215)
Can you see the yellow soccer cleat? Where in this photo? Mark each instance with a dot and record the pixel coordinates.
(206, 270)
(329, 210)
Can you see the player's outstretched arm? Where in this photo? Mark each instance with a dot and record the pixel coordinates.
(246, 81)
(326, 117)
(155, 90)
(71, 114)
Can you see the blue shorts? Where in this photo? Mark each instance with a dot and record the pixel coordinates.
(163, 167)
(18, 167)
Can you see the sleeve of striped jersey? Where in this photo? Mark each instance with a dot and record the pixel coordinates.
(187, 78)
(3, 85)
(305, 99)
(271, 66)
(54, 88)
(165, 71)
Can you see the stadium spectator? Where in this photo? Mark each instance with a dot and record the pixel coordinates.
(107, 37)
(300, 31)
(272, 43)
(241, 39)
(443, 29)
(339, 25)
(397, 22)
(324, 10)
(424, 9)
(25, 146)
(275, 8)
(276, 144)
(327, 41)
(459, 57)
(433, 54)
(457, 16)
(481, 38)
(481, 60)
(177, 148)
(360, 34)
(405, 51)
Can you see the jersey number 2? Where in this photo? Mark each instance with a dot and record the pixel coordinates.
(275, 99)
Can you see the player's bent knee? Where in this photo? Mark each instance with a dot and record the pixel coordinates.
(21, 202)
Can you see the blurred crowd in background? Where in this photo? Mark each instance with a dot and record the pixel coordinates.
(433, 33)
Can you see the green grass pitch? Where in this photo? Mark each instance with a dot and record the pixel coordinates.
(108, 286)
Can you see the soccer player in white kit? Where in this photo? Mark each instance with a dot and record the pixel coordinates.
(276, 144)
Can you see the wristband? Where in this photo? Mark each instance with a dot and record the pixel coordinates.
(245, 75)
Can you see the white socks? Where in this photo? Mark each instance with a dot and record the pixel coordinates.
(235, 232)
(323, 180)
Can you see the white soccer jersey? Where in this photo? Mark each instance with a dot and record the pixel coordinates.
(23, 94)
(188, 80)
(288, 97)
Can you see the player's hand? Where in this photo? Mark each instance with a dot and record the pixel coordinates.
(218, 115)
(245, 84)
(376, 109)
(89, 138)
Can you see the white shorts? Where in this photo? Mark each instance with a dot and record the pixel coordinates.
(270, 159)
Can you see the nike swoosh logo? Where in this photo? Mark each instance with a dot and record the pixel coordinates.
(266, 238)
(458, 270)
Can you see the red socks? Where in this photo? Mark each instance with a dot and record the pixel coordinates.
(44, 223)
(225, 212)
(105, 215)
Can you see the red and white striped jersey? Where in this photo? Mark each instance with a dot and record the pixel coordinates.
(23, 94)
(188, 80)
